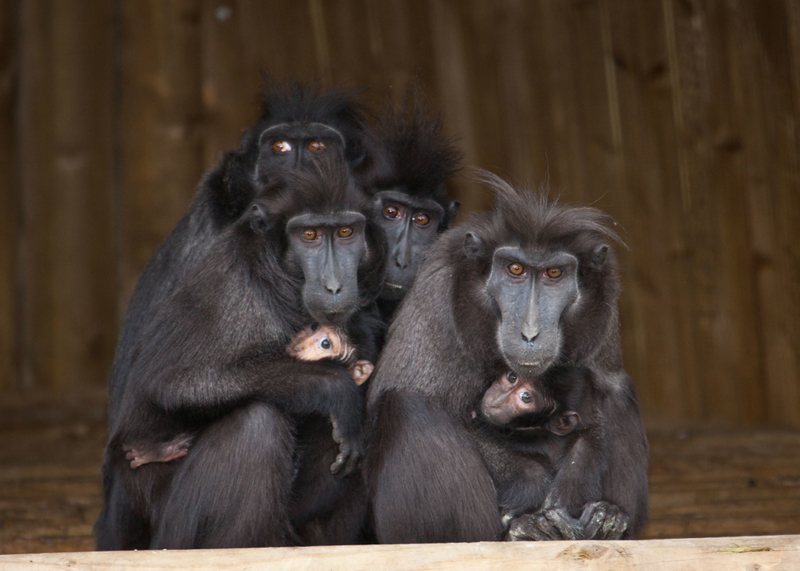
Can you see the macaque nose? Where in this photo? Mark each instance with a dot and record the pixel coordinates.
(529, 335)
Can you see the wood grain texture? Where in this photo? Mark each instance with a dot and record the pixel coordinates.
(161, 123)
(678, 117)
(69, 286)
(10, 204)
(776, 552)
(705, 480)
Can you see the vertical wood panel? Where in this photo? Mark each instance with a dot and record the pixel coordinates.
(452, 45)
(69, 287)
(681, 118)
(161, 149)
(9, 197)
(761, 70)
(710, 171)
(657, 322)
(251, 38)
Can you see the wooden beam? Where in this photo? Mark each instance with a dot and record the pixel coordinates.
(771, 552)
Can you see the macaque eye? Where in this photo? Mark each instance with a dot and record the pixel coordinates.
(516, 269)
(526, 397)
(315, 146)
(512, 377)
(392, 212)
(345, 232)
(421, 219)
(553, 273)
(310, 234)
(281, 146)
(325, 344)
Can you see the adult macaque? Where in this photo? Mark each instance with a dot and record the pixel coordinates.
(532, 287)
(410, 198)
(300, 126)
(213, 364)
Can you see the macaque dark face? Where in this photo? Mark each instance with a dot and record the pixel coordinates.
(532, 290)
(514, 402)
(411, 224)
(296, 145)
(329, 249)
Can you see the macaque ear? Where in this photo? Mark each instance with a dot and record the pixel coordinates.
(564, 423)
(259, 218)
(472, 245)
(599, 256)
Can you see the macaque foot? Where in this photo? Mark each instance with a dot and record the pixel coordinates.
(601, 520)
(350, 452)
(544, 525)
(361, 370)
(164, 452)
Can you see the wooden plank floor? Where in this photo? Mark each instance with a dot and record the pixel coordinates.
(704, 481)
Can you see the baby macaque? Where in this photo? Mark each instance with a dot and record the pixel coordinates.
(532, 433)
(515, 403)
(313, 343)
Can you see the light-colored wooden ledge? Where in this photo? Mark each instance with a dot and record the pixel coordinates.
(778, 552)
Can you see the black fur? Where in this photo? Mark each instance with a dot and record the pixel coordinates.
(213, 363)
(427, 476)
(222, 197)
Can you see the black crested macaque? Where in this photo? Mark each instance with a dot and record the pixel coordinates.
(530, 426)
(214, 364)
(410, 198)
(312, 343)
(315, 342)
(532, 287)
(512, 403)
(299, 126)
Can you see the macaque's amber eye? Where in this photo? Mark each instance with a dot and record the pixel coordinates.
(512, 378)
(315, 146)
(421, 219)
(345, 232)
(516, 269)
(526, 397)
(325, 344)
(392, 212)
(281, 146)
(310, 234)
(553, 273)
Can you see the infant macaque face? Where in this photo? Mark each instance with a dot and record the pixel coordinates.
(510, 397)
(315, 342)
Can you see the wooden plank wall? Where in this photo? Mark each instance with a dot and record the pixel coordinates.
(679, 117)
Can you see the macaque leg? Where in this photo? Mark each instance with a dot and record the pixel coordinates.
(176, 448)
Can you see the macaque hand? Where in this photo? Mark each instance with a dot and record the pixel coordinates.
(361, 370)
